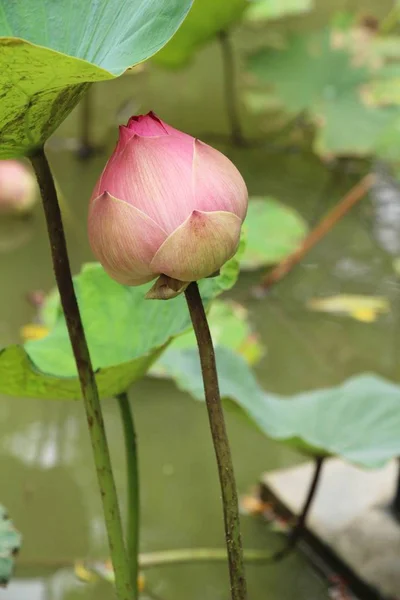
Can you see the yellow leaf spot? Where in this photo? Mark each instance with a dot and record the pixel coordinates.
(83, 573)
(33, 331)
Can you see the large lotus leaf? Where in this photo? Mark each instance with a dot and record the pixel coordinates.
(51, 49)
(205, 20)
(358, 420)
(10, 543)
(125, 333)
(322, 76)
(273, 232)
(264, 10)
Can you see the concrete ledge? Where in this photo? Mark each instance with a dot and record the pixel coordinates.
(349, 515)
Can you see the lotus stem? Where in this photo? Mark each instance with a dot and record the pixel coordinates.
(395, 505)
(87, 380)
(133, 516)
(298, 529)
(161, 558)
(230, 88)
(220, 441)
(166, 558)
(86, 147)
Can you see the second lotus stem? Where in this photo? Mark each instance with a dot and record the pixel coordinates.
(221, 443)
(230, 88)
(133, 514)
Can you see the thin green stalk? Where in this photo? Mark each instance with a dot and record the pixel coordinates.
(86, 147)
(166, 558)
(87, 380)
(221, 443)
(230, 88)
(133, 488)
(162, 558)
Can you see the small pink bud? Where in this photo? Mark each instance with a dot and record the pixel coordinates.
(18, 191)
(165, 204)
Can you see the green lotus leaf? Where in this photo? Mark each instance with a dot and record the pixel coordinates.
(126, 333)
(265, 10)
(206, 19)
(273, 232)
(328, 77)
(50, 50)
(358, 420)
(10, 543)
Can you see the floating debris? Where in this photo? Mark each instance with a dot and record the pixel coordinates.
(362, 308)
(90, 571)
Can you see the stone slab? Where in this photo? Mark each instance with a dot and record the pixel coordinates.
(350, 515)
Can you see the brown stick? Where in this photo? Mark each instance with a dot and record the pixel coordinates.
(348, 201)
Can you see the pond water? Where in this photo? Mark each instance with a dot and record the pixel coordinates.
(46, 469)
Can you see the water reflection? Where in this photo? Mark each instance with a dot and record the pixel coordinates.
(15, 233)
(45, 444)
(61, 584)
(386, 204)
(26, 588)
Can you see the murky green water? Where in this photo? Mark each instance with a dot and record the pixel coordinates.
(48, 479)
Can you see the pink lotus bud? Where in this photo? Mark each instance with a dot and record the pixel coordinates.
(17, 187)
(165, 204)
